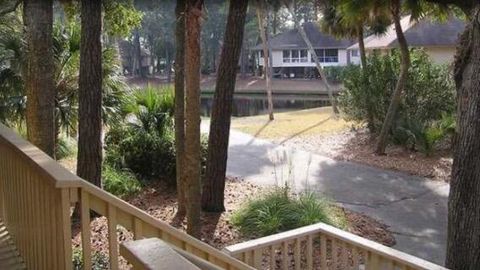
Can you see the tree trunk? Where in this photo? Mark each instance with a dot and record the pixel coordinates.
(138, 70)
(397, 93)
(214, 182)
(89, 162)
(180, 103)
(192, 115)
(361, 46)
(266, 60)
(363, 59)
(39, 77)
(315, 58)
(168, 64)
(243, 60)
(463, 243)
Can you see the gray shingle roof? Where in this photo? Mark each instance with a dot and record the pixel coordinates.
(293, 40)
(423, 33)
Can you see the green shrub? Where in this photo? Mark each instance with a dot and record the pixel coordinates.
(429, 95)
(120, 182)
(99, 260)
(335, 74)
(423, 137)
(280, 211)
(66, 147)
(146, 144)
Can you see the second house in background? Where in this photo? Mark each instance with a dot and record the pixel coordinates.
(292, 59)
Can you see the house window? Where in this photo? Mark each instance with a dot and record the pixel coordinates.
(326, 55)
(320, 54)
(354, 53)
(303, 56)
(295, 56)
(331, 56)
(286, 56)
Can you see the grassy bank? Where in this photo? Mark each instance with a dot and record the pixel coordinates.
(292, 124)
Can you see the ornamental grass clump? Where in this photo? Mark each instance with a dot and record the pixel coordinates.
(280, 210)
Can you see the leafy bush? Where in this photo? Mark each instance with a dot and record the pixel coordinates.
(120, 182)
(99, 260)
(65, 147)
(429, 95)
(280, 211)
(146, 143)
(414, 135)
(335, 74)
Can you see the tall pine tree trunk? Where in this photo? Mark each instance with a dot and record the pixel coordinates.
(243, 60)
(192, 116)
(402, 80)
(168, 64)
(266, 59)
(361, 46)
(89, 162)
(137, 55)
(463, 243)
(39, 77)
(180, 102)
(214, 183)
(363, 60)
(305, 38)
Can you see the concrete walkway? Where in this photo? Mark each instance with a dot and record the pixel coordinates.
(414, 208)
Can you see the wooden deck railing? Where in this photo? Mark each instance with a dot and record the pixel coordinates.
(321, 246)
(36, 199)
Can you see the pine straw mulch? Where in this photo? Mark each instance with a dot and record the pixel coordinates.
(358, 146)
(160, 201)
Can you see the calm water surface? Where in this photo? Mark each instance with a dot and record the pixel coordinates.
(256, 104)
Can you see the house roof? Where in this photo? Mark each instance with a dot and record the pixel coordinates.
(422, 33)
(293, 40)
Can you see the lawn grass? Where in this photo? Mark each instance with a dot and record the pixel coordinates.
(292, 124)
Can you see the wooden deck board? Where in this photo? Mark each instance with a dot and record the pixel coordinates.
(9, 256)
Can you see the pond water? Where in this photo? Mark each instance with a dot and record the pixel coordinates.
(256, 104)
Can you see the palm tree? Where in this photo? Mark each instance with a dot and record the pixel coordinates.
(89, 160)
(180, 102)
(12, 98)
(338, 21)
(38, 74)
(262, 8)
(193, 12)
(291, 10)
(66, 44)
(395, 9)
(214, 182)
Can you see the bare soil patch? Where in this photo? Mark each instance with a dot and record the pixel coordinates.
(358, 146)
(160, 201)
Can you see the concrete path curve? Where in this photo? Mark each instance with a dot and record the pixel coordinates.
(413, 207)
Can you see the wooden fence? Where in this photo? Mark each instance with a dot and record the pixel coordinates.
(321, 246)
(37, 196)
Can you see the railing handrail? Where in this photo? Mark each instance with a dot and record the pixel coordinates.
(71, 188)
(45, 165)
(335, 233)
(144, 216)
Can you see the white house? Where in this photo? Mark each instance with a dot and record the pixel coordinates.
(291, 57)
(438, 39)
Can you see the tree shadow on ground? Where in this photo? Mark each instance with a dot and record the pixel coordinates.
(413, 208)
(305, 130)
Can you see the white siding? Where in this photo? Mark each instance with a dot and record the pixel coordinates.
(278, 60)
(355, 60)
(441, 55)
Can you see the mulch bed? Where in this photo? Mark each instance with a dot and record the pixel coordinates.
(358, 146)
(160, 201)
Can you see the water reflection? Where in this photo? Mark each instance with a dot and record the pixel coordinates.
(255, 104)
